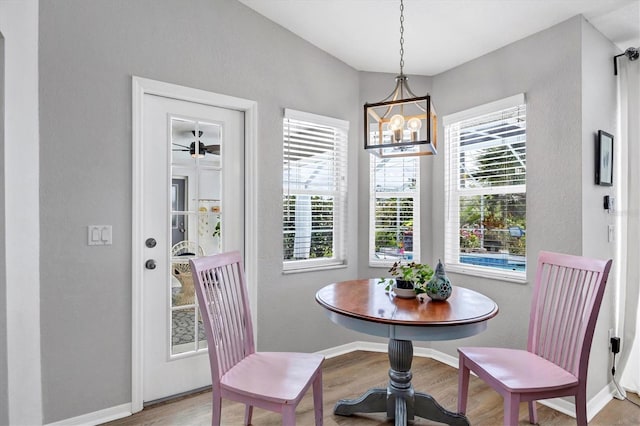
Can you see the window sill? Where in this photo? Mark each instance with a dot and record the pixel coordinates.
(508, 276)
(314, 268)
(380, 264)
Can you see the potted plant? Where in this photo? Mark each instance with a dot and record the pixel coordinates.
(409, 279)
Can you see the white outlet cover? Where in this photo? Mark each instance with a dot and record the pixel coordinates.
(99, 235)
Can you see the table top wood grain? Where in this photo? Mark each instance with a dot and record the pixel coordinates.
(366, 299)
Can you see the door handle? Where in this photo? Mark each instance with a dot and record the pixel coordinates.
(150, 264)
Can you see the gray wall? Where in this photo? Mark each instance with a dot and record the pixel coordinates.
(90, 49)
(549, 67)
(4, 374)
(599, 112)
(550, 78)
(88, 52)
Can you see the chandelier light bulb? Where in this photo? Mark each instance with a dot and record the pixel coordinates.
(414, 126)
(395, 124)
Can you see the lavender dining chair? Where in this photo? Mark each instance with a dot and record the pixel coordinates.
(567, 295)
(274, 381)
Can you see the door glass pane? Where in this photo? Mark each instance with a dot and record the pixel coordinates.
(183, 244)
(209, 225)
(182, 290)
(196, 225)
(183, 331)
(183, 141)
(179, 225)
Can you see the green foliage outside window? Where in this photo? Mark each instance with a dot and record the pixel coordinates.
(394, 220)
(485, 220)
(321, 227)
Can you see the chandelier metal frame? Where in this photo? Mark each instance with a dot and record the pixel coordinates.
(385, 133)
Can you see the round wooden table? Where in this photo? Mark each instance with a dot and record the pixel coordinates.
(364, 306)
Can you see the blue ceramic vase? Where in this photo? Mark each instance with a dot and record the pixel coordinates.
(439, 286)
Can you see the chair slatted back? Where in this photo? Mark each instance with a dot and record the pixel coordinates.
(566, 300)
(223, 300)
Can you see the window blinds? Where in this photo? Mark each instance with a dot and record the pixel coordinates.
(485, 181)
(394, 209)
(314, 190)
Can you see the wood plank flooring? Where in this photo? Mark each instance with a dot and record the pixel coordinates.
(349, 375)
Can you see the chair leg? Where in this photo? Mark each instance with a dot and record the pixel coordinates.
(533, 413)
(463, 385)
(581, 407)
(511, 409)
(216, 411)
(317, 398)
(248, 412)
(288, 415)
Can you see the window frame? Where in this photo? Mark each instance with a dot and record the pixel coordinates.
(453, 193)
(373, 197)
(338, 192)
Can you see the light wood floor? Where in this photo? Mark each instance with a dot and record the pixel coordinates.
(348, 376)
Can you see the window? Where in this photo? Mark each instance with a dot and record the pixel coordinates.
(314, 190)
(394, 210)
(485, 184)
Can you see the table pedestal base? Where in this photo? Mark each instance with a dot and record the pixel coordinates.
(399, 400)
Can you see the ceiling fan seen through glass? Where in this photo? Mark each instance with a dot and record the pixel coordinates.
(201, 150)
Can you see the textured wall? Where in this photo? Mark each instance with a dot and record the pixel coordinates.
(551, 80)
(4, 374)
(558, 147)
(599, 112)
(88, 52)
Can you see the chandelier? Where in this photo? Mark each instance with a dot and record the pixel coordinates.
(402, 124)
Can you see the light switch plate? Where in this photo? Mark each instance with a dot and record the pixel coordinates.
(611, 231)
(99, 235)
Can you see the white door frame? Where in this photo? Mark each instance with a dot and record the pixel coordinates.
(141, 87)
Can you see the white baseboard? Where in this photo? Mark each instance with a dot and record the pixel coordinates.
(97, 417)
(352, 347)
(451, 361)
(383, 347)
(594, 405)
(600, 400)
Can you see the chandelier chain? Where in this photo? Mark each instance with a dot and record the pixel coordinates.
(401, 37)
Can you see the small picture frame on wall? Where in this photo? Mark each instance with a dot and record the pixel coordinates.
(604, 159)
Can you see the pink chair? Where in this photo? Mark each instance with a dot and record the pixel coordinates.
(567, 295)
(274, 381)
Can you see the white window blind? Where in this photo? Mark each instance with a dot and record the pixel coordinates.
(394, 210)
(314, 190)
(485, 184)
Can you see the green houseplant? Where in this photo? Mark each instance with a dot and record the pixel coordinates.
(408, 276)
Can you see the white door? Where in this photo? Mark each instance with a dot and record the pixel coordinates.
(193, 185)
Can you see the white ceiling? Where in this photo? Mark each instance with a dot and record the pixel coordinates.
(439, 34)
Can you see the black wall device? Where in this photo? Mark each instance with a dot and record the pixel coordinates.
(608, 202)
